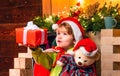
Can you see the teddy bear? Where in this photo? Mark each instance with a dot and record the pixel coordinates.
(82, 62)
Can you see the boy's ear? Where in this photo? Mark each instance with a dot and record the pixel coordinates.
(74, 41)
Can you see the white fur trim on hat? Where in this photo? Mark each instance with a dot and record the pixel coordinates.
(85, 52)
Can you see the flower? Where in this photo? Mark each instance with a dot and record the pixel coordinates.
(49, 19)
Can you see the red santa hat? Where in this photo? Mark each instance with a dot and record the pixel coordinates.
(75, 25)
(87, 47)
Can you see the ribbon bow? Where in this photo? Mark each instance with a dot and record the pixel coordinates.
(31, 26)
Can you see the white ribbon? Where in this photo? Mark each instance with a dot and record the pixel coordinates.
(43, 36)
(31, 26)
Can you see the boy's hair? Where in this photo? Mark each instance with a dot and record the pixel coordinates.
(67, 27)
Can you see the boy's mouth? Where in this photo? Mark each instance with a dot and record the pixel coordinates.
(58, 41)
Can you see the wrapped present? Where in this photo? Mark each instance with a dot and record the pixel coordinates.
(31, 35)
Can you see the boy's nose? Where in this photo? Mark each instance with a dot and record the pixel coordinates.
(60, 36)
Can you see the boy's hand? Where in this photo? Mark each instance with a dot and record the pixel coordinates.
(30, 46)
(49, 50)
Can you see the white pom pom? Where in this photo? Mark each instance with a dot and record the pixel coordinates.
(54, 26)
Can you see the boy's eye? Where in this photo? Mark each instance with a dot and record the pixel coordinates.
(79, 57)
(65, 33)
(85, 61)
(58, 33)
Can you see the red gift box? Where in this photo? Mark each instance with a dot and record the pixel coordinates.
(31, 37)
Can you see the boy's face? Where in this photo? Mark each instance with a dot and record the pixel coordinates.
(63, 39)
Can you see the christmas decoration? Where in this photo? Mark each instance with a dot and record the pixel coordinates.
(91, 18)
(46, 22)
(76, 10)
